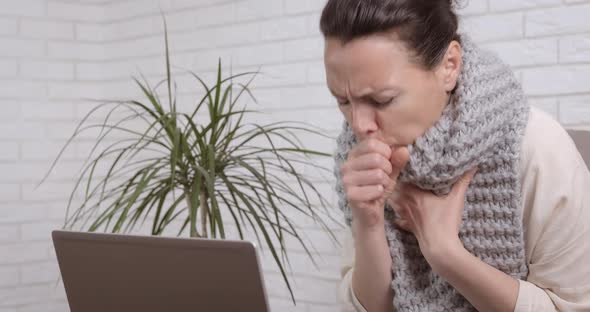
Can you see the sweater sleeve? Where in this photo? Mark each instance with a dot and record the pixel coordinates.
(346, 297)
(556, 214)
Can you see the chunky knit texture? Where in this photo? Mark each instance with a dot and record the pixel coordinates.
(482, 126)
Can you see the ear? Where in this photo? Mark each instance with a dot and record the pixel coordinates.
(450, 67)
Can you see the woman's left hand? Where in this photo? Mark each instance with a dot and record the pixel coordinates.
(434, 220)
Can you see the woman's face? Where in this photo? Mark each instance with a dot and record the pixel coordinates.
(382, 92)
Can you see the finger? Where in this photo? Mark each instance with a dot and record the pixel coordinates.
(366, 177)
(364, 193)
(371, 146)
(370, 161)
(461, 186)
(399, 158)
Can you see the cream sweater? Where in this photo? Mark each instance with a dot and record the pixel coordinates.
(556, 221)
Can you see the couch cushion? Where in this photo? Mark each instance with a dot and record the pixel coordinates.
(582, 140)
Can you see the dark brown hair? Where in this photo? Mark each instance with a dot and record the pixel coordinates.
(426, 26)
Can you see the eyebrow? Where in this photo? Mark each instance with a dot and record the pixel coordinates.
(368, 94)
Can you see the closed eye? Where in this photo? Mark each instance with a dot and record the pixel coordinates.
(379, 104)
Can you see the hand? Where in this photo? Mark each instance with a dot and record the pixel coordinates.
(369, 177)
(434, 220)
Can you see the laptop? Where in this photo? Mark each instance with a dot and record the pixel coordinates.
(115, 272)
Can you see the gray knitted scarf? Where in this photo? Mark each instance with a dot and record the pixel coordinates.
(482, 126)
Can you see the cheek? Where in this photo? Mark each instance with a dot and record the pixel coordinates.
(399, 124)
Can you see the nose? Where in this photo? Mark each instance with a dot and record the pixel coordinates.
(364, 123)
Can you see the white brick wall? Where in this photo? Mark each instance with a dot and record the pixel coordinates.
(55, 54)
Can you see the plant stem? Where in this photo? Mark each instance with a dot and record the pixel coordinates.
(193, 231)
(204, 212)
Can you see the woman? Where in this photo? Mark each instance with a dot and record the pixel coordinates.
(459, 196)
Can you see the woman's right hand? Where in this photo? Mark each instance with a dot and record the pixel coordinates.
(369, 177)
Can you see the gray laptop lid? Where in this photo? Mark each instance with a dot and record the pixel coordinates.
(112, 272)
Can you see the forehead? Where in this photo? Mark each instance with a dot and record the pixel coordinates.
(365, 60)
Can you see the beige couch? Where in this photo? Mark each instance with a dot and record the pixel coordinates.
(582, 140)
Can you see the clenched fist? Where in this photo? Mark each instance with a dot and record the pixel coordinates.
(369, 177)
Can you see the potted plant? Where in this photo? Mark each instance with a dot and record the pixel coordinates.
(175, 167)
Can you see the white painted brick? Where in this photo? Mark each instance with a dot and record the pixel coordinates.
(281, 75)
(326, 308)
(259, 54)
(304, 49)
(23, 8)
(74, 90)
(8, 68)
(47, 70)
(317, 290)
(21, 212)
(315, 240)
(76, 51)
(472, 7)
(52, 306)
(574, 48)
(256, 9)
(326, 267)
(505, 5)
(291, 27)
(39, 231)
(91, 71)
(275, 285)
(48, 111)
(560, 20)
(25, 130)
(46, 29)
(50, 190)
(556, 80)
(22, 89)
(303, 6)
(90, 32)
(8, 151)
(21, 252)
(313, 25)
(526, 52)
(21, 47)
(207, 60)
(8, 277)
(34, 172)
(75, 11)
(549, 105)
(8, 26)
(217, 15)
(316, 73)
(575, 109)
(24, 294)
(183, 4)
(8, 233)
(130, 28)
(177, 21)
(121, 10)
(287, 305)
(232, 35)
(110, 70)
(493, 27)
(138, 47)
(307, 97)
(9, 192)
(11, 110)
